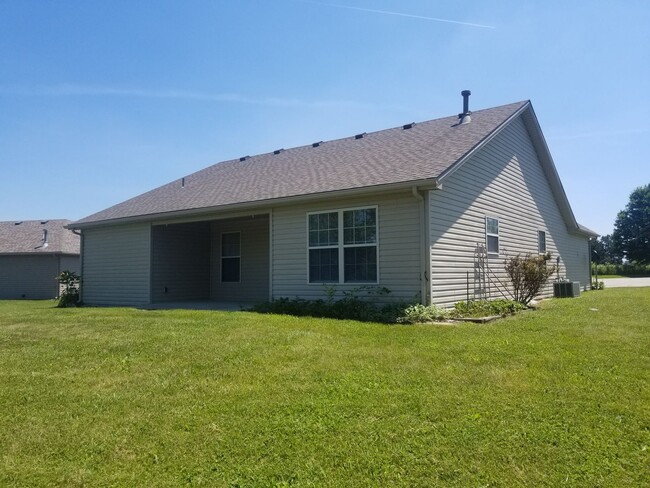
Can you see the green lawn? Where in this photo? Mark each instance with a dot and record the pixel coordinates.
(123, 397)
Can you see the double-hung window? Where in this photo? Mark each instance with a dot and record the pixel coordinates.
(492, 235)
(343, 246)
(324, 247)
(230, 257)
(541, 241)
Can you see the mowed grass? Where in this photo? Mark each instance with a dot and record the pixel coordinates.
(124, 397)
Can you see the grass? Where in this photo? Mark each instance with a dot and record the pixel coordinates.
(123, 397)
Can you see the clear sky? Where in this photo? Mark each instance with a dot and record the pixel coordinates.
(103, 100)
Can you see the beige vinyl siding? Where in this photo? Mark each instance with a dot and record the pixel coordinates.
(29, 277)
(577, 261)
(180, 262)
(253, 286)
(399, 246)
(116, 265)
(503, 180)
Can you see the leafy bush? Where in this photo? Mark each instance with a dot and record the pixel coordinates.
(70, 294)
(598, 285)
(528, 275)
(351, 306)
(487, 308)
(418, 313)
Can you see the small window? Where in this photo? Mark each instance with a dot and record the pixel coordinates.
(492, 235)
(230, 257)
(541, 241)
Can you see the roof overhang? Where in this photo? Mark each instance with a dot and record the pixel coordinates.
(531, 123)
(258, 206)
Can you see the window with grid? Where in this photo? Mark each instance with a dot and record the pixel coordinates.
(230, 257)
(324, 247)
(492, 235)
(343, 246)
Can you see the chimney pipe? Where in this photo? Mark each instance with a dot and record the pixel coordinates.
(465, 116)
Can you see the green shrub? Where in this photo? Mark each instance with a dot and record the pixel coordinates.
(528, 275)
(627, 269)
(487, 308)
(350, 307)
(418, 313)
(598, 285)
(70, 294)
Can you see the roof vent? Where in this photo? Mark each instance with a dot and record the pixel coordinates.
(278, 151)
(316, 144)
(18, 223)
(408, 126)
(244, 158)
(465, 116)
(43, 222)
(183, 182)
(45, 236)
(360, 136)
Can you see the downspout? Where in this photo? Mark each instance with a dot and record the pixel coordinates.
(591, 280)
(81, 263)
(423, 260)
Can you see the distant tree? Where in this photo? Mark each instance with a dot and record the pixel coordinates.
(603, 251)
(632, 227)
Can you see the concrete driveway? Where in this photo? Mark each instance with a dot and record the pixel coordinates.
(625, 282)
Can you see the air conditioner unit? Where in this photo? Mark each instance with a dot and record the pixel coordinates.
(566, 289)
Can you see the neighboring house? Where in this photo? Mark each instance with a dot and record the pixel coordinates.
(32, 254)
(402, 208)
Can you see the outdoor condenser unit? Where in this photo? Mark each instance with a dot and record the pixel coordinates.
(566, 289)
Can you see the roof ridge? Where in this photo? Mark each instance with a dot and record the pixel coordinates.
(392, 156)
(366, 134)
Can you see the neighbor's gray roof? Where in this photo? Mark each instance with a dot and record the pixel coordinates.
(26, 237)
(390, 156)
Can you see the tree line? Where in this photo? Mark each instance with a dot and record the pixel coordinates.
(630, 241)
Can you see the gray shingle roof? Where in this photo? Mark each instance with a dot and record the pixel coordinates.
(390, 156)
(27, 237)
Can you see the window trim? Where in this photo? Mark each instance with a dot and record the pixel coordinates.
(490, 234)
(222, 257)
(539, 241)
(341, 246)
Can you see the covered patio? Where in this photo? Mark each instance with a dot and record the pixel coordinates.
(210, 265)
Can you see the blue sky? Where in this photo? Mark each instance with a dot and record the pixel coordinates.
(101, 101)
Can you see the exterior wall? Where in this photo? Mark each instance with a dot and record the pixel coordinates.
(180, 265)
(399, 247)
(577, 261)
(116, 265)
(29, 277)
(70, 263)
(504, 180)
(254, 272)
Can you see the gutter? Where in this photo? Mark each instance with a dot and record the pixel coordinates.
(423, 248)
(430, 183)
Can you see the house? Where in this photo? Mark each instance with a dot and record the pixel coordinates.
(32, 254)
(428, 210)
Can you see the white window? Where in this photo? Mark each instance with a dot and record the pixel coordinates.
(324, 247)
(230, 257)
(343, 246)
(492, 235)
(541, 241)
